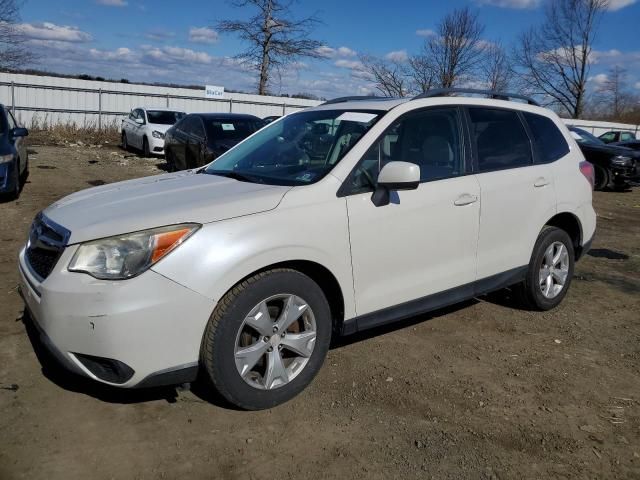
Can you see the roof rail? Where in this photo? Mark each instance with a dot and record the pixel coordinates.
(442, 92)
(355, 98)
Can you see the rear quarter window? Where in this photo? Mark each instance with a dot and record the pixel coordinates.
(549, 142)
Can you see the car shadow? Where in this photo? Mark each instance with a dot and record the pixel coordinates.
(608, 254)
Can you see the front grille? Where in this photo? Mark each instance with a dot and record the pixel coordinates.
(47, 241)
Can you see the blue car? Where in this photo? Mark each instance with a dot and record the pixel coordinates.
(14, 160)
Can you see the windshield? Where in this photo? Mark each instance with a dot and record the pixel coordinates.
(164, 117)
(582, 136)
(299, 149)
(229, 129)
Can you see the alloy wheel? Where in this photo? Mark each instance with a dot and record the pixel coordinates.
(275, 341)
(554, 270)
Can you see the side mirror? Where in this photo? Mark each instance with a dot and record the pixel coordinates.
(19, 132)
(395, 176)
(139, 121)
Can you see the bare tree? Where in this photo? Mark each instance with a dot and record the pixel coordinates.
(388, 75)
(274, 39)
(422, 73)
(554, 58)
(496, 68)
(455, 51)
(615, 92)
(13, 53)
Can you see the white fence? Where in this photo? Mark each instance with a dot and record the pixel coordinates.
(54, 100)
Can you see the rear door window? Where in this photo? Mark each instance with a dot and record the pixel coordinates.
(500, 139)
(549, 142)
(626, 136)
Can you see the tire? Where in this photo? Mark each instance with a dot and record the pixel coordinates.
(25, 174)
(125, 142)
(171, 161)
(603, 178)
(227, 335)
(145, 147)
(532, 291)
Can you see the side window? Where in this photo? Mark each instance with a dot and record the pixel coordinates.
(549, 141)
(196, 127)
(132, 115)
(626, 136)
(500, 138)
(608, 137)
(430, 138)
(140, 115)
(10, 120)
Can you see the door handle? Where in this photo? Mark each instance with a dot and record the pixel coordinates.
(541, 182)
(465, 199)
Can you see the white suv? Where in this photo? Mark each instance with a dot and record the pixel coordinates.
(328, 221)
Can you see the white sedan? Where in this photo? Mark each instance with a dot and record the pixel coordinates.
(144, 129)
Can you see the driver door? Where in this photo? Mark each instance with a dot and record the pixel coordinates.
(424, 241)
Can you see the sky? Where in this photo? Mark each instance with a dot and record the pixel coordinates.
(177, 42)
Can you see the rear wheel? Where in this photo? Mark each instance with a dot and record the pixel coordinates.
(603, 178)
(550, 270)
(267, 339)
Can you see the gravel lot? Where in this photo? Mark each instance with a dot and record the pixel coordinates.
(481, 390)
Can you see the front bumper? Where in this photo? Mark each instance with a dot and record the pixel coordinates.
(145, 331)
(7, 177)
(156, 145)
(623, 174)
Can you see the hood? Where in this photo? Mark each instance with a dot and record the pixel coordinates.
(160, 200)
(610, 149)
(161, 127)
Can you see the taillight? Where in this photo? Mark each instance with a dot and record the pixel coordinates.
(589, 172)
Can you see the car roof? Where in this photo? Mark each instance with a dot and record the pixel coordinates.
(160, 109)
(226, 116)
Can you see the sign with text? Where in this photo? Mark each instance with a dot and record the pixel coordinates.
(211, 91)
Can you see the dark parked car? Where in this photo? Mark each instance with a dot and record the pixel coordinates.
(633, 144)
(614, 136)
(14, 160)
(614, 165)
(199, 138)
(270, 118)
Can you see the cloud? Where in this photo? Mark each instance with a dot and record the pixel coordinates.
(159, 35)
(340, 52)
(176, 55)
(518, 4)
(353, 64)
(51, 31)
(203, 35)
(599, 79)
(425, 32)
(615, 5)
(399, 56)
(112, 3)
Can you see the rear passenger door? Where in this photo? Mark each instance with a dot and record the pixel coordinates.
(517, 194)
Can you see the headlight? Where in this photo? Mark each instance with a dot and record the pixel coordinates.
(157, 134)
(621, 160)
(125, 256)
(6, 158)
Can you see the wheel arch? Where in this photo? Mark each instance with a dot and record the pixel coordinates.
(571, 224)
(320, 274)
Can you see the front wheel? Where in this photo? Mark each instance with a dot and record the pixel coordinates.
(550, 270)
(125, 142)
(145, 148)
(267, 339)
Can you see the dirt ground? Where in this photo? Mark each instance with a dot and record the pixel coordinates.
(481, 390)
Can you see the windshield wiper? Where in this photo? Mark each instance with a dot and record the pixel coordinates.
(235, 175)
